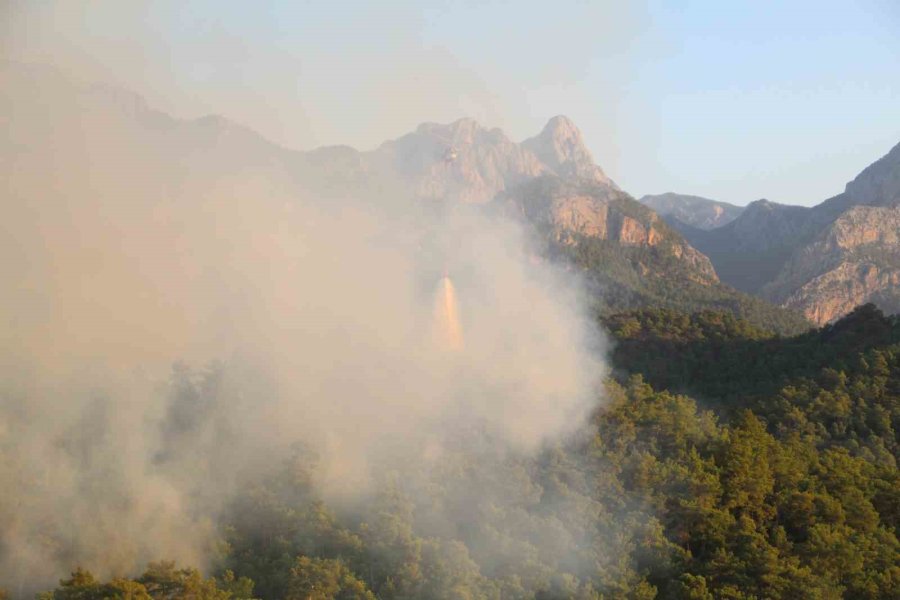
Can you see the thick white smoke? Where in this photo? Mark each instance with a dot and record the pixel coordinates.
(132, 242)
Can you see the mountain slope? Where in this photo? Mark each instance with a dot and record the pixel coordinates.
(458, 162)
(824, 260)
(568, 212)
(749, 251)
(560, 146)
(694, 211)
(630, 256)
(879, 183)
(855, 259)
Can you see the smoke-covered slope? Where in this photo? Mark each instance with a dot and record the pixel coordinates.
(438, 165)
(133, 241)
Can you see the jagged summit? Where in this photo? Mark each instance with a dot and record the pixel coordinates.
(471, 163)
(562, 131)
(560, 146)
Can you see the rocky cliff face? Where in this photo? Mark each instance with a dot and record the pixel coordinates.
(850, 251)
(837, 292)
(570, 211)
(853, 261)
(695, 211)
(824, 260)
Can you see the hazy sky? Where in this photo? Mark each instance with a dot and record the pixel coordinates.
(734, 100)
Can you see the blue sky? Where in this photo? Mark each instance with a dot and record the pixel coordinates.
(734, 100)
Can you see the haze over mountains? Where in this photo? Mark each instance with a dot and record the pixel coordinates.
(819, 261)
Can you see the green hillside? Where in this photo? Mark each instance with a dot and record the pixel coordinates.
(626, 278)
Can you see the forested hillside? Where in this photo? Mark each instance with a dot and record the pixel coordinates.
(627, 278)
(726, 463)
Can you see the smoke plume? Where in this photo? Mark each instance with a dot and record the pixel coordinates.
(134, 242)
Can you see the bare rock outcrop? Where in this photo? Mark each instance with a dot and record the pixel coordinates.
(835, 293)
(568, 211)
(852, 262)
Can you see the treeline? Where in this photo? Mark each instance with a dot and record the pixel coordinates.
(727, 462)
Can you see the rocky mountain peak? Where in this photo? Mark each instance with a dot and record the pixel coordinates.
(561, 129)
(560, 146)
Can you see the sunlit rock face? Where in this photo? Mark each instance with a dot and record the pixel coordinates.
(568, 210)
(854, 261)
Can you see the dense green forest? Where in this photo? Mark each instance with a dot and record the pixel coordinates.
(725, 462)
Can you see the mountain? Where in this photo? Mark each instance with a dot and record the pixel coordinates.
(552, 183)
(572, 211)
(561, 147)
(462, 161)
(855, 259)
(878, 184)
(465, 162)
(695, 211)
(550, 180)
(749, 251)
(823, 260)
(628, 254)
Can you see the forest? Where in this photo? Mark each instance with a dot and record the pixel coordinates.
(725, 462)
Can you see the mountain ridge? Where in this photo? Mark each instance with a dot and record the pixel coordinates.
(459, 163)
(822, 260)
(695, 211)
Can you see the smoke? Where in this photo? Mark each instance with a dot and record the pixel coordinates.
(133, 242)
